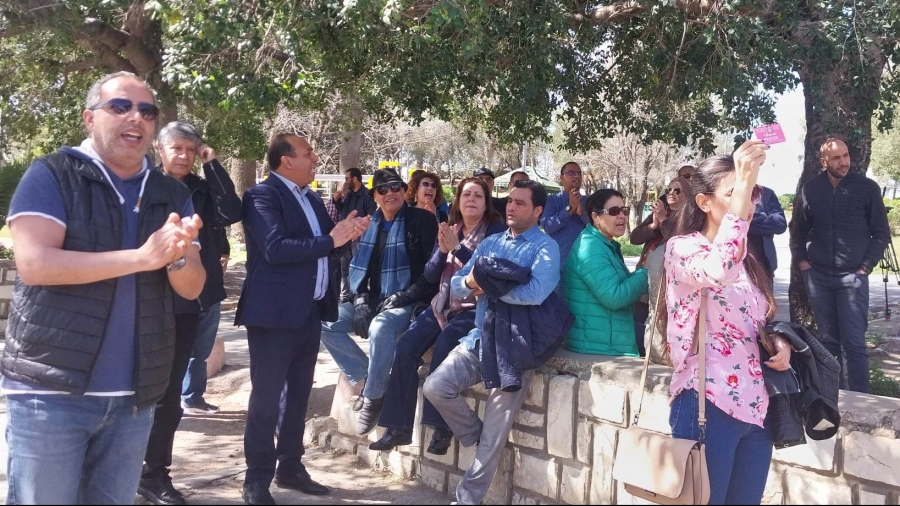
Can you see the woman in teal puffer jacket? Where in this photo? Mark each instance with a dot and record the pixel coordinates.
(599, 289)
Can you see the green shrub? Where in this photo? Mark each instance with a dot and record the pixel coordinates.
(893, 215)
(10, 175)
(787, 201)
(5, 253)
(882, 384)
(628, 249)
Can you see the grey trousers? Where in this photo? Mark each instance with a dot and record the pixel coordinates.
(461, 370)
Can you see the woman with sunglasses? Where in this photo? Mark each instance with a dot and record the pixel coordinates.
(441, 326)
(599, 288)
(653, 233)
(707, 262)
(425, 192)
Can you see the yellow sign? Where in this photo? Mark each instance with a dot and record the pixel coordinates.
(388, 163)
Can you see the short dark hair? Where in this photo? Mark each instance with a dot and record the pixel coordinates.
(538, 192)
(597, 200)
(354, 172)
(570, 162)
(278, 147)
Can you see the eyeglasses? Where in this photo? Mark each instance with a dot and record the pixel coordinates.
(427, 184)
(393, 188)
(687, 176)
(615, 211)
(572, 173)
(122, 106)
(675, 191)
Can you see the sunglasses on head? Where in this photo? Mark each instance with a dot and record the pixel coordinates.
(427, 184)
(393, 187)
(122, 106)
(615, 211)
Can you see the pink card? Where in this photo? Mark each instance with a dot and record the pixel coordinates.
(770, 134)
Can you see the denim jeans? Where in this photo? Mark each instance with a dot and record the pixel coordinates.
(738, 454)
(68, 449)
(194, 384)
(840, 304)
(399, 410)
(383, 333)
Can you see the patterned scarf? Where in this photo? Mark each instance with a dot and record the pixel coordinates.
(443, 304)
(395, 273)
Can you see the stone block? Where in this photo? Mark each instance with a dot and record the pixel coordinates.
(561, 416)
(216, 360)
(4, 309)
(603, 401)
(345, 417)
(501, 485)
(466, 457)
(343, 392)
(433, 478)
(867, 497)
(801, 488)
(402, 466)
(528, 440)
(535, 396)
(536, 474)
(867, 456)
(574, 484)
(606, 439)
(453, 480)
(818, 455)
(343, 443)
(774, 492)
(416, 447)
(524, 500)
(10, 277)
(654, 413)
(530, 419)
(472, 403)
(450, 458)
(478, 389)
(482, 405)
(3, 328)
(583, 441)
(317, 426)
(372, 458)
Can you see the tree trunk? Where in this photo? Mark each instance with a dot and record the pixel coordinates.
(838, 102)
(352, 139)
(243, 173)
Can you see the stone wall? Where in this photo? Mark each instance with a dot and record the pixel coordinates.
(563, 444)
(7, 280)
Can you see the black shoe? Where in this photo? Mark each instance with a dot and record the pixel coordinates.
(198, 408)
(440, 442)
(300, 482)
(358, 404)
(391, 439)
(368, 416)
(159, 490)
(257, 493)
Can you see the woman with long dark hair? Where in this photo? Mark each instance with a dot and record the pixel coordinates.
(472, 218)
(707, 259)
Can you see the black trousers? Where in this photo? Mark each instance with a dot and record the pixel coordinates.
(168, 414)
(282, 368)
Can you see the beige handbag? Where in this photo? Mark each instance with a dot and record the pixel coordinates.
(663, 469)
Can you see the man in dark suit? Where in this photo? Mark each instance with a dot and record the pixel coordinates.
(286, 296)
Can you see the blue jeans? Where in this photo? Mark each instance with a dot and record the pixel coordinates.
(67, 449)
(383, 333)
(738, 454)
(194, 384)
(840, 303)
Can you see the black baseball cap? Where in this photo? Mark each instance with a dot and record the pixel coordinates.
(484, 171)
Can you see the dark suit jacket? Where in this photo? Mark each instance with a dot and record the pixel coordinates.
(282, 259)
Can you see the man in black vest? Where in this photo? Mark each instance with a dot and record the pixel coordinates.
(216, 202)
(101, 241)
(286, 296)
(353, 196)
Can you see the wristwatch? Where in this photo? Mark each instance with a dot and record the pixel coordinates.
(457, 247)
(568, 208)
(176, 265)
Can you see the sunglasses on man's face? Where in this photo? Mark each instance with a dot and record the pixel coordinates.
(393, 187)
(615, 211)
(572, 173)
(122, 106)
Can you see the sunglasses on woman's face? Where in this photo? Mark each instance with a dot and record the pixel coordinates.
(122, 106)
(675, 191)
(393, 187)
(427, 184)
(614, 211)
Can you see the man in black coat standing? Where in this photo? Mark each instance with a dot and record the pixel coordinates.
(286, 296)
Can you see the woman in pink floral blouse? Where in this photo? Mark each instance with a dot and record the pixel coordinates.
(709, 251)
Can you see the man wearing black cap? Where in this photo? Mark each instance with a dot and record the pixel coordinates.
(487, 176)
(387, 282)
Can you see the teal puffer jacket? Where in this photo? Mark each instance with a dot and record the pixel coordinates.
(600, 293)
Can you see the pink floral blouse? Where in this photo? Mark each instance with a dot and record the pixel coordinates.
(734, 379)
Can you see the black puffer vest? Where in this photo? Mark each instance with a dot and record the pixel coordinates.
(55, 332)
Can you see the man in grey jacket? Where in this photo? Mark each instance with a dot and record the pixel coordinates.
(841, 233)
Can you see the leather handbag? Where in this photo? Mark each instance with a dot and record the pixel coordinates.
(663, 469)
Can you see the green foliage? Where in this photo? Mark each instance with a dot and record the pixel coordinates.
(786, 201)
(886, 153)
(10, 175)
(628, 249)
(5, 253)
(449, 193)
(882, 384)
(893, 215)
(875, 340)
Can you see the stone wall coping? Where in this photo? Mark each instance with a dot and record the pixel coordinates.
(7, 264)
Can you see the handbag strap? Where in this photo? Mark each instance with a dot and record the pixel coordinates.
(701, 335)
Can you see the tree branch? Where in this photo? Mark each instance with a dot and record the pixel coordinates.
(98, 33)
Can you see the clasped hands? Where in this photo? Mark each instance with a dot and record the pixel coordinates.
(447, 238)
(171, 242)
(349, 229)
